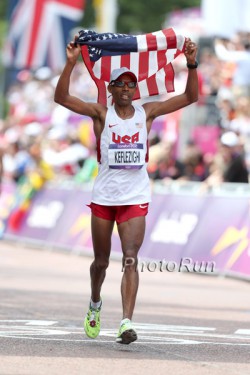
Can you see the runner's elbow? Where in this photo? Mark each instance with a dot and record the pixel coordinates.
(193, 98)
(59, 98)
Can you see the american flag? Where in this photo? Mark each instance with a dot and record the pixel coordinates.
(38, 32)
(149, 56)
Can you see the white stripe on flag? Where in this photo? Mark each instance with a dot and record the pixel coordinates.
(134, 63)
(97, 68)
(170, 55)
(17, 25)
(40, 49)
(143, 88)
(115, 63)
(66, 11)
(22, 52)
(142, 45)
(152, 63)
(56, 55)
(160, 81)
(161, 40)
(180, 41)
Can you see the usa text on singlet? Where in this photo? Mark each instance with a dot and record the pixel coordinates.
(124, 152)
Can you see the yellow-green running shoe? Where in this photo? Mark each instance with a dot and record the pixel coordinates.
(92, 324)
(127, 333)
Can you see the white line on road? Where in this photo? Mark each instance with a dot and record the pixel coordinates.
(31, 322)
(148, 333)
(243, 332)
(169, 341)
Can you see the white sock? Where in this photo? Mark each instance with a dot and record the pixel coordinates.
(95, 305)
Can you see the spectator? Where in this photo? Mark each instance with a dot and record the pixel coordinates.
(194, 168)
(229, 164)
(163, 164)
(238, 52)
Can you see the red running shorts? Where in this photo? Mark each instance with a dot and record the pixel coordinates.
(119, 213)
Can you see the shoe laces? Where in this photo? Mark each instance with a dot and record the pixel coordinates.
(92, 316)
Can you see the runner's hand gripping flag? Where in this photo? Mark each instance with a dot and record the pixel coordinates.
(149, 56)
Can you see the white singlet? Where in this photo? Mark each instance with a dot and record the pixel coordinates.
(122, 154)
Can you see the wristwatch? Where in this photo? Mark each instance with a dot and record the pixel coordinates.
(192, 66)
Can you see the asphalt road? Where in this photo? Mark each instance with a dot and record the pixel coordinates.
(187, 323)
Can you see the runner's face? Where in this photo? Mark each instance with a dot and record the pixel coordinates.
(123, 95)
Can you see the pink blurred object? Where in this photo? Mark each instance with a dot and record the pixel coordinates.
(206, 138)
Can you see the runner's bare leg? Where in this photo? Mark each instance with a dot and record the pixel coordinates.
(101, 237)
(131, 234)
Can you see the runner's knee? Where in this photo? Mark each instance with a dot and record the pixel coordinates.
(100, 264)
(129, 260)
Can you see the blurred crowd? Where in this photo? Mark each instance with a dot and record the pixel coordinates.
(41, 141)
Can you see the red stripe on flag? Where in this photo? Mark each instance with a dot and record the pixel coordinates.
(100, 84)
(171, 38)
(125, 61)
(143, 65)
(169, 77)
(162, 59)
(76, 3)
(102, 92)
(152, 85)
(86, 59)
(151, 42)
(152, 81)
(38, 13)
(105, 68)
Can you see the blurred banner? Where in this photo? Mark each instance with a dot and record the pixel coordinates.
(39, 31)
(204, 228)
(105, 14)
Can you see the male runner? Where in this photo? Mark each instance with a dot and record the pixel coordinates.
(121, 191)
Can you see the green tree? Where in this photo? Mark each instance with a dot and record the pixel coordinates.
(3, 21)
(140, 15)
(3, 8)
(148, 15)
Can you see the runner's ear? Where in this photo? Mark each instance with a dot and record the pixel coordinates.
(110, 89)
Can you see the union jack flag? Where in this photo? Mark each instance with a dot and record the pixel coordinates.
(149, 56)
(39, 31)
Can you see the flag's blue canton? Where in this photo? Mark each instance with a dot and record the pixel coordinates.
(106, 44)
